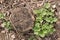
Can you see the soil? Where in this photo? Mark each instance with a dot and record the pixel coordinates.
(20, 13)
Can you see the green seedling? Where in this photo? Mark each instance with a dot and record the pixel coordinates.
(51, 19)
(44, 21)
(47, 5)
(5, 23)
(2, 16)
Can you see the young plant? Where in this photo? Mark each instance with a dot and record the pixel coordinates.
(2, 16)
(44, 21)
(6, 24)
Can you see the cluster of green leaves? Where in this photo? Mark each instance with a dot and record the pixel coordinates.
(5, 23)
(44, 21)
(2, 16)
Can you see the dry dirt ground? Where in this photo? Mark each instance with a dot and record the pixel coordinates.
(20, 13)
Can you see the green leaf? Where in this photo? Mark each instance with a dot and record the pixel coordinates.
(45, 31)
(43, 13)
(51, 30)
(47, 26)
(41, 34)
(4, 23)
(36, 33)
(44, 26)
(47, 5)
(52, 10)
(36, 29)
(55, 19)
(36, 11)
(39, 19)
(50, 26)
(50, 13)
(37, 25)
(1, 16)
(41, 10)
(50, 19)
(7, 25)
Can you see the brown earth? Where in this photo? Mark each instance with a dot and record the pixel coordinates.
(20, 14)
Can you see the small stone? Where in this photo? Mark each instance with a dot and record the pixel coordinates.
(58, 4)
(3, 25)
(1, 1)
(22, 39)
(0, 8)
(3, 31)
(54, 6)
(13, 36)
(58, 38)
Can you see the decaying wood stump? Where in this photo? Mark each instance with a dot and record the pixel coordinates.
(22, 19)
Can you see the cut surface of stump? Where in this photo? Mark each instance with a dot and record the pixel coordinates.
(22, 19)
